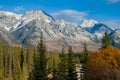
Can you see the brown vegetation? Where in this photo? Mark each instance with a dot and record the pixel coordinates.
(103, 65)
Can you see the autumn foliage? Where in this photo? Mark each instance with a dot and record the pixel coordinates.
(103, 65)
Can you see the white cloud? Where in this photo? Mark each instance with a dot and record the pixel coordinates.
(70, 15)
(114, 24)
(113, 1)
(19, 8)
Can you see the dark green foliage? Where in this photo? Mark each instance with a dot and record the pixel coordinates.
(52, 64)
(22, 59)
(106, 42)
(16, 70)
(16, 63)
(54, 71)
(39, 71)
(1, 57)
(84, 54)
(71, 65)
(28, 59)
(6, 63)
(1, 63)
(84, 57)
(62, 66)
(12, 63)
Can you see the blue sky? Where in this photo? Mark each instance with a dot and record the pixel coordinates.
(106, 11)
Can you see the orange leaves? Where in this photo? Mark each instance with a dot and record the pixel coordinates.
(101, 63)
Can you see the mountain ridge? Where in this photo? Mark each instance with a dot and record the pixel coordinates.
(26, 30)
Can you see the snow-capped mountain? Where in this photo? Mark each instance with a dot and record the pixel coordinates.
(26, 29)
(88, 23)
(56, 32)
(8, 20)
(98, 30)
(7, 39)
(115, 37)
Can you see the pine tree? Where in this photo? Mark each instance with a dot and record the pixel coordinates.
(28, 59)
(62, 67)
(39, 71)
(106, 42)
(22, 59)
(72, 75)
(1, 63)
(1, 57)
(6, 62)
(84, 54)
(54, 71)
(16, 70)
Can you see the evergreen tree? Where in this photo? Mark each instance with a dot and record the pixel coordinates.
(39, 71)
(28, 59)
(16, 70)
(72, 75)
(6, 62)
(62, 66)
(1, 63)
(22, 58)
(106, 42)
(84, 54)
(54, 71)
(1, 57)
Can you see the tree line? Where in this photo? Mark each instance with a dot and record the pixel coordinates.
(19, 63)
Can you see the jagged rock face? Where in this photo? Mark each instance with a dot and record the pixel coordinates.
(26, 30)
(56, 32)
(115, 37)
(88, 23)
(98, 30)
(6, 39)
(8, 20)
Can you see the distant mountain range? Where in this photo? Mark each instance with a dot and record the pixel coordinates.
(25, 29)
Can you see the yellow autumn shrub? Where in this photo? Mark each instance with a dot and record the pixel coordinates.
(103, 65)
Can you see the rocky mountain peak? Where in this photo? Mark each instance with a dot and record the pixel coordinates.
(10, 14)
(115, 37)
(26, 29)
(38, 15)
(88, 23)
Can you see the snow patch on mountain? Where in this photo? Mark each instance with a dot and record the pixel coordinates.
(36, 15)
(88, 23)
(7, 28)
(115, 37)
(26, 29)
(17, 16)
(98, 30)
